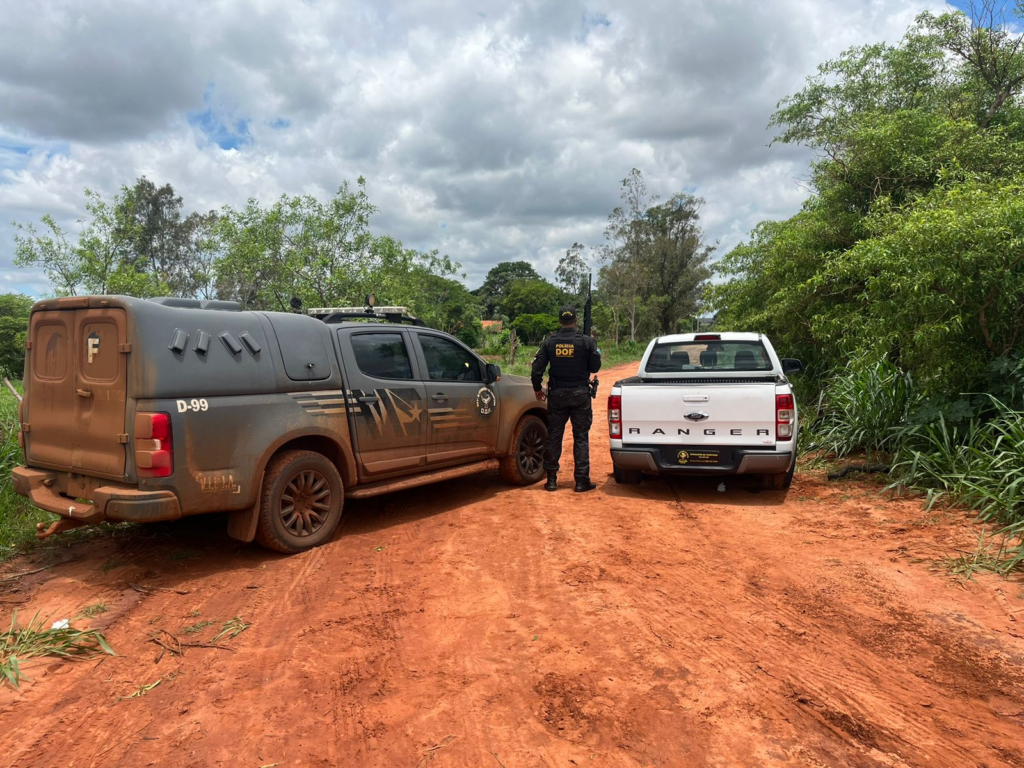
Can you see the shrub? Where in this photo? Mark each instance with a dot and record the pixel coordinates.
(862, 408)
(978, 464)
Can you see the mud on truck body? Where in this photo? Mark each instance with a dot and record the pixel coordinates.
(149, 410)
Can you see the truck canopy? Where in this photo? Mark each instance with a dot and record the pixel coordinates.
(90, 359)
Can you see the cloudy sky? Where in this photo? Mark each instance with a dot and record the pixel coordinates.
(489, 130)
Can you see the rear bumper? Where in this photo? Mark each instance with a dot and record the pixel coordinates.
(742, 462)
(52, 491)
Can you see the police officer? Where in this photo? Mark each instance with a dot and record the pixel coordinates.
(572, 357)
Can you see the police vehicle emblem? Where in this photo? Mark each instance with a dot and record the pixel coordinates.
(485, 401)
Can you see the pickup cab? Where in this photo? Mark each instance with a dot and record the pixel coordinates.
(146, 410)
(706, 404)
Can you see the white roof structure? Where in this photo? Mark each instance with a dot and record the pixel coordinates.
(318, 311)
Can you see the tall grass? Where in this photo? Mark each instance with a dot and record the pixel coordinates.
(862, 409)
(979, 464)
(976, 463)
(17, 517)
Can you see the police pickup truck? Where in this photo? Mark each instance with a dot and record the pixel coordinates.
(146, 410)
(706, 404)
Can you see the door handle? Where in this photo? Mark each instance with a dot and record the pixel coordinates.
(440, 397)
(83, 393)
(369, 399)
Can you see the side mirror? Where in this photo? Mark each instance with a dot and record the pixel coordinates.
(493, 373)
(789, 365)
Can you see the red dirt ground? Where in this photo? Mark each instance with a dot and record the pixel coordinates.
(472, 624)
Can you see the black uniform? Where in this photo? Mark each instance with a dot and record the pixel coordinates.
(572, 357)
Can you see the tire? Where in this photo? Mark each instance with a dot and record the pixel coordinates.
(780, 481)
(301, 504)
(627, 476)
(525, 463)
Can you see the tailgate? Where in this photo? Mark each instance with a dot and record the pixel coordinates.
(75, 389)
(713, 414)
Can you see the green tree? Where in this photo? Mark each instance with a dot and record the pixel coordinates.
(675, 261)
(501, 275)
(178, 249)
(531, 297)
(14, 311)
(908, 249)
(138, 244)
(572, 273)
(445, 304)
(321, 252)
(655, 259)
(48, 248)
(938, 289)
(532, 328)
(626, 237)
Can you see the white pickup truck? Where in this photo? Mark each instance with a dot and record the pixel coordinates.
(706, 404)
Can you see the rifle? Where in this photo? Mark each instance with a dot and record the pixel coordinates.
(588, 328)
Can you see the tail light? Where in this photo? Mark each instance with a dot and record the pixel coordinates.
(154, 455)
(614, 415)
(784, 417)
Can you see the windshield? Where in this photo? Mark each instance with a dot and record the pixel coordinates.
(708, 356)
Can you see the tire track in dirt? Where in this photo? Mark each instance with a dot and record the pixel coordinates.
(470, 623)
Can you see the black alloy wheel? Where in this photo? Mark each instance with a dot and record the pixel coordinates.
(306, 503)
(530, 455)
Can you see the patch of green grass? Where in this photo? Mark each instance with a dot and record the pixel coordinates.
(18, 518)
(35, 640)
(198, 627)
(93, 610)
(231, 629)
(981, 560)
(610, 355)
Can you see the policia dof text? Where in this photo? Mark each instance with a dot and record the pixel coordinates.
(572, 358)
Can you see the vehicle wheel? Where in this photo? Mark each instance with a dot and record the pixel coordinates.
(301, 503)
(780, 481)
(788, 481)
(774, 482)
(627, 476)
(525, 465)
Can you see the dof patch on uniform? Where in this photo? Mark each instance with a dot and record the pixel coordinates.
(565, 350)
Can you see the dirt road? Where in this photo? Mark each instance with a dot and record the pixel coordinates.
(470, 624)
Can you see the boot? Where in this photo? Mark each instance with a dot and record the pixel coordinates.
(552, 484)
(582, 486)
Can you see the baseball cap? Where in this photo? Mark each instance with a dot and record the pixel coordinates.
(567, 313)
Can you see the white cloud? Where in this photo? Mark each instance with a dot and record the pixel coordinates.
(492, 132)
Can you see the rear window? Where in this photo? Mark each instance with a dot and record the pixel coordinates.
(382, 355)
(708, 356)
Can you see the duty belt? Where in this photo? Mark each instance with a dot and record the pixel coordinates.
(582, 384)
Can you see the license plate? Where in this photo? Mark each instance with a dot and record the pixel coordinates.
(702, 458)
